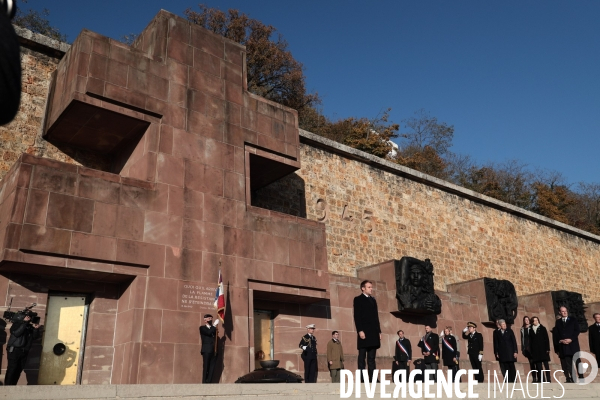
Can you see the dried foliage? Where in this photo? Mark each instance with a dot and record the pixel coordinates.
(424, 142)
(272, 71)
(370, 135)
(38, 22)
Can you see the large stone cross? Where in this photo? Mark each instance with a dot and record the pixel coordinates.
(171, 145)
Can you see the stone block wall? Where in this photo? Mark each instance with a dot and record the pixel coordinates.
(374, 212)
(39, 58)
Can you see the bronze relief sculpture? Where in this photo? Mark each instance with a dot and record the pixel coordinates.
(414, 287)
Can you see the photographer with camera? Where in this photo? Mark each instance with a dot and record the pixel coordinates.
(22, 334)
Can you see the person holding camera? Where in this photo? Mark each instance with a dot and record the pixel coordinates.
(22, 335)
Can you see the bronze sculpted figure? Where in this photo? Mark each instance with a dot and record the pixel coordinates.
(574, 303)
(414, 287)
(501, 298)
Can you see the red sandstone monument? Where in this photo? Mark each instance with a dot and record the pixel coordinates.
(124, 257)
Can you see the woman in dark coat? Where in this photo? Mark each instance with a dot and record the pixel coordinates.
(539, 344)
(525, 349)
(450, 352)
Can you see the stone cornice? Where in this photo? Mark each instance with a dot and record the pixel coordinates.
(41, 43)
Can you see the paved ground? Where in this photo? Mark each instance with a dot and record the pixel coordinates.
(296, 391)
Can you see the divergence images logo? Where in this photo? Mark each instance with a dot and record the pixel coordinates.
(582, 367)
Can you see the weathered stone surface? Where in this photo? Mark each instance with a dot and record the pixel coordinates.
(375, 213)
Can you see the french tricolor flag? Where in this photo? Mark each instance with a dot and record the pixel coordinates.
(220, 299)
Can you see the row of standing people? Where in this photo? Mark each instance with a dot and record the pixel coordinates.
(534, 338)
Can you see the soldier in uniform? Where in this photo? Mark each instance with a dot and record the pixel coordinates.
(430, 347)
(403, 354)
(308, 344)
(474, 348)
(208, 334)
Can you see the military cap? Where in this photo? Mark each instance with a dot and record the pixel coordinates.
(310, 326)
(473, 324)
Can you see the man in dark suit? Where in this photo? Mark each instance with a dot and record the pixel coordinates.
(566, 342)
(208, 334)
(430, 348)
(366, 320)
(308, 344)
(505, 349)
(403, 354)
(474, 348)
(594, 336)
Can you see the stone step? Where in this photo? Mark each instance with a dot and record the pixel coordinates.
(295, 391)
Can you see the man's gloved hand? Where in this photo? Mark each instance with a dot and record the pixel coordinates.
(303, 347)
(216, 322)
(465, 330)
(480, 357)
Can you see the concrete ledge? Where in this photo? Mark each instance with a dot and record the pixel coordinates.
(41, 43)
(257, 391)
(408, 173)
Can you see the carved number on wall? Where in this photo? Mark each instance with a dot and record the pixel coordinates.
(367, 216)
(322, 209)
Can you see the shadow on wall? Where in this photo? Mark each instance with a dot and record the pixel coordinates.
(287, 195)
(417, 319)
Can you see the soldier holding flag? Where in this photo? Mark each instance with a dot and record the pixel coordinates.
(209, 333)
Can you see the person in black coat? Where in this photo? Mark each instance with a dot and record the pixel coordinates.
(403, 354)
(505, 349)
(10, 64)
(450, 351)
(566, 342)
(539, 346)
(430, 348)
(525, 345)
(594, 336)
(366, 320)
(22, 335)
(308, 344)
(208, 335)
(474, 348)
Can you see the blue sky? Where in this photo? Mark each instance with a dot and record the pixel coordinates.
(518, 80)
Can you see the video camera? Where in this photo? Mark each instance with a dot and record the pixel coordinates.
(19, 316)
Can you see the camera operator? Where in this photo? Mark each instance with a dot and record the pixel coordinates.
(10, 64)
(22, 334)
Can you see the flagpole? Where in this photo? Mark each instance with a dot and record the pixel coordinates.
(216, 337)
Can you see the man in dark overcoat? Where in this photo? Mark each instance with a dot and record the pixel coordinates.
(430, 348)
(208, 334)
(566, 342)
(474, 348)
(366, 320)
(308, 344)
(505, 349)
(594, 336)
(403, 354)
